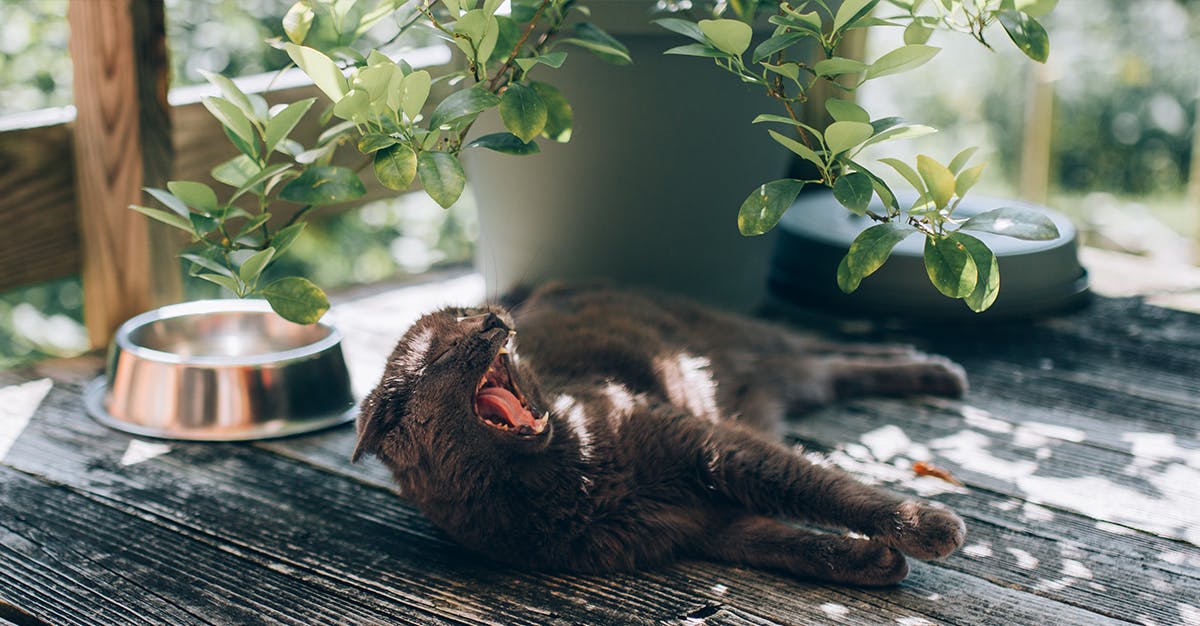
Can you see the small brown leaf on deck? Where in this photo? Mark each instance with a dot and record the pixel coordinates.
(921, 468)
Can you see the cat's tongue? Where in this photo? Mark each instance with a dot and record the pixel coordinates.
(500, 402)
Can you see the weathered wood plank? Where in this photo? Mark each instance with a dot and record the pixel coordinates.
(366, 536)
(40, 238)
(64, 543)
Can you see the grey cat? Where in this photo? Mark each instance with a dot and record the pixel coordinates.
(630, 429)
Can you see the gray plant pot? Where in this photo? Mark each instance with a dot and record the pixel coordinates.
(648, 189)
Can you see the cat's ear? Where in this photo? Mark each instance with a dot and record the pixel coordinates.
(375, 419)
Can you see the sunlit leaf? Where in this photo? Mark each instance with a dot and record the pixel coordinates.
(296, 299)
(765, 206)
(854, 192)
(522, 111)
(868, 252)
(442, 177)
(950, 267)
(842, 136)
(731, 36)
(395, 166)
(939, 180)
(901, 59)
(1027, 34)
(987, 282)
(324, 184)
(1015, 222)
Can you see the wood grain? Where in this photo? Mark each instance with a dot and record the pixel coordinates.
(297, 509)
(108, 166)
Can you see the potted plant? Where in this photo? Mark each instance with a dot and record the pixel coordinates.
(385, 109)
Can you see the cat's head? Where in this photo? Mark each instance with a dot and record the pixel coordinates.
(454, 380)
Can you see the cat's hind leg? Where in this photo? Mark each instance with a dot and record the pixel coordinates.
(764, 542)
(769, 479)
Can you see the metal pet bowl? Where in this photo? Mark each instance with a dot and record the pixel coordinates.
(221, 370)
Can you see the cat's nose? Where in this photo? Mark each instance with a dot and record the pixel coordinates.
(483, 322)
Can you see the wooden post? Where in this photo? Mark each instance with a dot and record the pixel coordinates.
(1038, 134)
(121, 129)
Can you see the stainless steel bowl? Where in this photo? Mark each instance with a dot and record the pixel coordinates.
(222, 370)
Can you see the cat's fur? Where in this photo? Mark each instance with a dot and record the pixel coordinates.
(660, 439)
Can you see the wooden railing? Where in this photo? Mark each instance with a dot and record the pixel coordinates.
(67, 175)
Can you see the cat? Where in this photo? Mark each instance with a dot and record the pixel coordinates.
(631, 429)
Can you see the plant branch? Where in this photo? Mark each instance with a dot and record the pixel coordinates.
(516, 51)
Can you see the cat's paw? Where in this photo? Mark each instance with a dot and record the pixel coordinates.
(939, 376)
(869, 563)
(925, 530)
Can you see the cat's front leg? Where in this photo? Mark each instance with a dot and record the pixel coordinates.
(767, 478)
(765, 542)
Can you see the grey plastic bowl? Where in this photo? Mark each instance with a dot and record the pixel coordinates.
(1036, 277)
(222, 370)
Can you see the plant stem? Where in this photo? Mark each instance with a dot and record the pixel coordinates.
(512, 56)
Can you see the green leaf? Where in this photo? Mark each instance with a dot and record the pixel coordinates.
(196, 195)
(231, 92)
(960, 159)
(254, 265)
(228, 282)
(775, 44)
(416, 92)
(837, 66)
(1027, 34)
(280, 126)
(462, 105)
(967, 179)
(842, 136)
(851, 10)
(787, 70)
(296, 299)
(950, 267)
(854, 192)
(697, 50)
(169, 200)
(603, 45)
(297, 21)
(355, 106)
(868, 252)
(235, 171)
(283, 239)
(901, 59)
(262, 175)
(939, 180)
(506, 143)
(231, 117)
(906, 131)
(1014, 222)
(252, 223)
(1035, 8)
(552, 59)
(372, 142)
(917, 33)
(249, 149)
(523, 112)
(907, 172)
(202, 224)
(765, 206)
(732, 36)
(323, 184)
(683, 27)
(987, 281)
(442, 176)
(560, 118)
(208, 264)
(165, 217)
(847, 111)
(396, 166)
(808, 154)
(324, 73)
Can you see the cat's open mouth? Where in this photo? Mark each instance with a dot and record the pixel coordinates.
(500, 404)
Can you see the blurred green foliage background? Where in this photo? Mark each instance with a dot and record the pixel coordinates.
(1124, 75)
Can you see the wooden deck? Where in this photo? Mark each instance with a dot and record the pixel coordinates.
(1078, 445)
